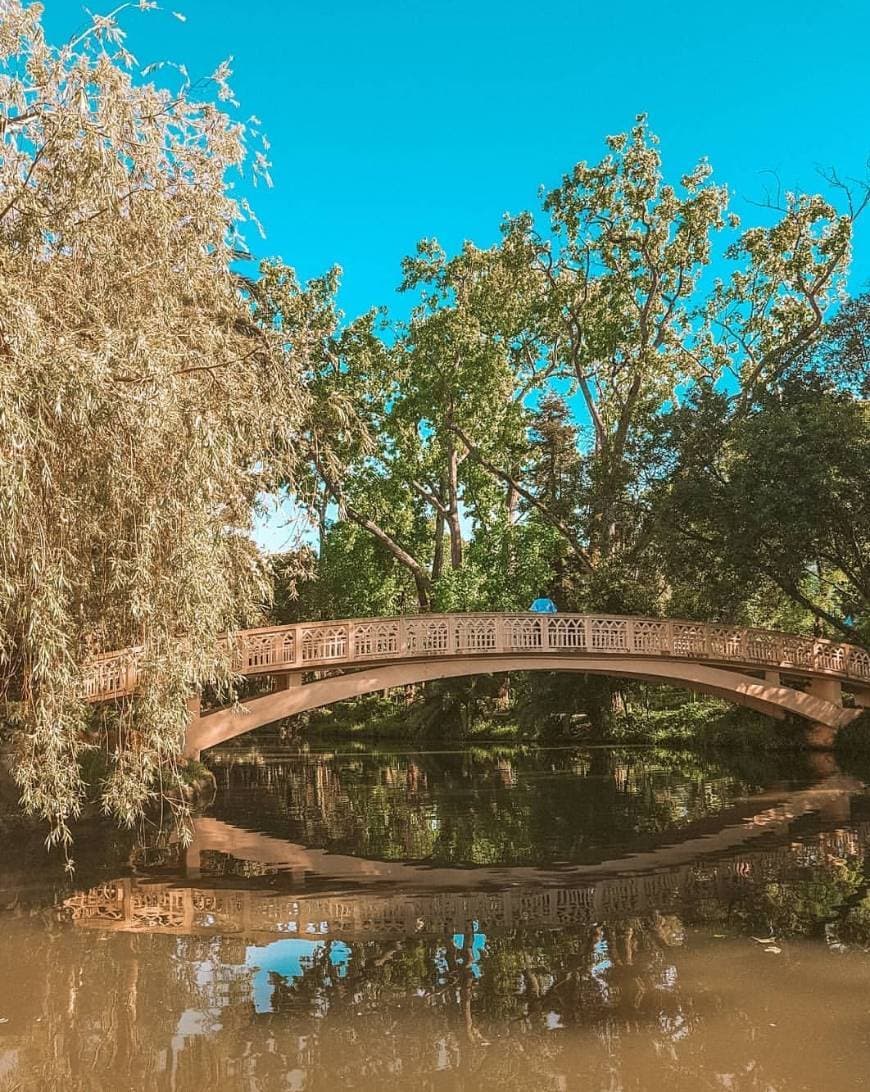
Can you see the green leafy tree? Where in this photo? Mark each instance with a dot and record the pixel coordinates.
(844, 354)
(778, 497)
(607, 300)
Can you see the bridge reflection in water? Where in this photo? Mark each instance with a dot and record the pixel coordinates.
(279, 966)
(442, 901)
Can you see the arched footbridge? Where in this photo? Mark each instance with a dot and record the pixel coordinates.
(314, 664)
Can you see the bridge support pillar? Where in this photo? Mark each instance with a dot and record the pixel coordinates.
(819, 736)
(862, 699)
(194, 708)
(773, 677)
(286, 680)
(827, 689)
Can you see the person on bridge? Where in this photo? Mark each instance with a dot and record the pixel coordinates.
(543, 605)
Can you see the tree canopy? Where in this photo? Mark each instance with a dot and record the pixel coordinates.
(538, 395)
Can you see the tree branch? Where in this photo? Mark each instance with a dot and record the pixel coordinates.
(503, 476)
(430, 497)
(421, 577)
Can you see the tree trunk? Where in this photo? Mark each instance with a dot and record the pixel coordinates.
(438, 552)
(453, 524)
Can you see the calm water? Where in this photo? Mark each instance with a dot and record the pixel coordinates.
(545, 919)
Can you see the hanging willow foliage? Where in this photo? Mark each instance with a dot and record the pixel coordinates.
(142, 408)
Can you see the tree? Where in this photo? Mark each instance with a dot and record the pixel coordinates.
(530, 400)
(143, 408)
(355, 577)
(388, 403)
(779, 496)
(844, 353)
(608, 300)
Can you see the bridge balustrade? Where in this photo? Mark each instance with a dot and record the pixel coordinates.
(312, 645)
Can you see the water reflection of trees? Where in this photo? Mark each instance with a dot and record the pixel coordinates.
(510, 806)
(616, 1003)
(634, 996)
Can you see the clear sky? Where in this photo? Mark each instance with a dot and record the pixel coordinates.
(396, 119)
(391, 120)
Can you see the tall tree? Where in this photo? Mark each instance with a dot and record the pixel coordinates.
(142, 408)
(779, 496)
(609, 299)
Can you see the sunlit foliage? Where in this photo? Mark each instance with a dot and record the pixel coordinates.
(142, 410)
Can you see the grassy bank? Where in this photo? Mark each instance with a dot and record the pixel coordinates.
(700, 725)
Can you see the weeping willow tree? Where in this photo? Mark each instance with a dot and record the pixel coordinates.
(143, 408)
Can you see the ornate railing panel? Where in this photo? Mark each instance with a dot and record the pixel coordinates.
(323, 643)
(566, 632)
(376, 638)
(608, 634)
(473, 634)
(312, 645)
(112, 676)
(523, 632)
(859, 663)
(689, 639)
(726, 642)
(427, 635)
(650, 638)
(798, 651)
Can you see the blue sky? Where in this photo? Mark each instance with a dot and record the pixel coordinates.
(393, 120)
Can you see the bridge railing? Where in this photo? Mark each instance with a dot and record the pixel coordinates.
(315, 645)
(130, 905)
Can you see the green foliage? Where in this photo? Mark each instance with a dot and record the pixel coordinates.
(844, 353)
(775, 498)
(853, 745)
(354, 578)
(855, 927)
(558, 410)
(707, 726)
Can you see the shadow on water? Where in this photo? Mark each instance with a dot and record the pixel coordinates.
(506, 917)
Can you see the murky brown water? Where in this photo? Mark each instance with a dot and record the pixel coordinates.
(492, 918)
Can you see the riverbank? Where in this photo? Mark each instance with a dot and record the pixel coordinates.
(702, 724)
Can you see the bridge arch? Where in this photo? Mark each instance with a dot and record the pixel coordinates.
(769, 697)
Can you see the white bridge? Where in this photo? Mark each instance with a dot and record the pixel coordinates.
(317, 663)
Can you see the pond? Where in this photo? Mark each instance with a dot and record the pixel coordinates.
(469, 919)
